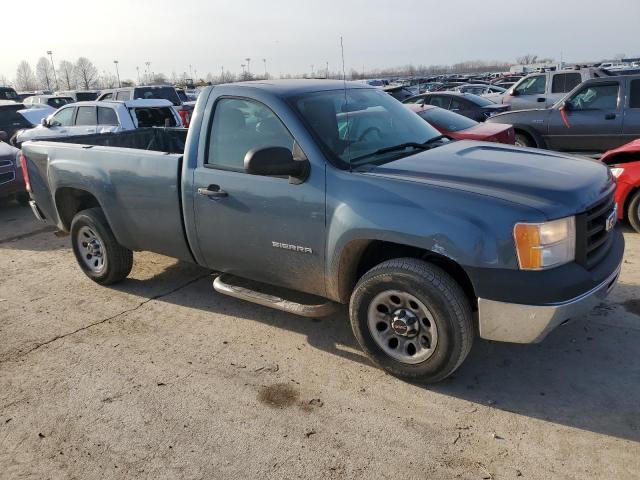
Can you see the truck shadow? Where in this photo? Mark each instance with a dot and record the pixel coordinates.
(584, 375)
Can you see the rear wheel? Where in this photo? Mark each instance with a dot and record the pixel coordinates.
(98, 253)
(524, 140)
(633, 211)
(412, 319)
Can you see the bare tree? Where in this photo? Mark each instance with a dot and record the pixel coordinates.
(25, 79)
(527, 59)
(44, 74)
(3, 81)
(86, 73)
(66, 75)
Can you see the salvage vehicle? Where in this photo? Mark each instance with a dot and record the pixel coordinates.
(85, 118)
(624, 162)
(11, 181)
(53, 101)
(598, 115)
(12, 118)
(80, 95)
(462, 128)
(8, 93)
(167, 92)
(412, 231)
(540, 90)
(467, 104)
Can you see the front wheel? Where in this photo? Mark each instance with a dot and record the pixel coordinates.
(97, 251)
(412, 319)
(524, 140)
(633, 211)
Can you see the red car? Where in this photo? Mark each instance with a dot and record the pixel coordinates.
(624, 162)
(462, 128)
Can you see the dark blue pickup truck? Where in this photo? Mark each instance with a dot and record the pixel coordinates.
(305, 195)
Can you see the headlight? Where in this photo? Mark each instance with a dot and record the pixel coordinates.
(616, 171)
(545, 245)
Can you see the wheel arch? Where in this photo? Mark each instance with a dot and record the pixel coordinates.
(531, 133)
(359, 256)
(69, 201)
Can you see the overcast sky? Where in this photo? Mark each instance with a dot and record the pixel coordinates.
(294, 34)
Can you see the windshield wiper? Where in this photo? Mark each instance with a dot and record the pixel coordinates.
(403, 146)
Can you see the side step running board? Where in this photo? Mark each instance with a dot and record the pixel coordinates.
(225, 284)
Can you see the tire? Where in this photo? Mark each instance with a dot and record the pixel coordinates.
(524, 140)
(633, 211)
(98, 253)
(441, 303)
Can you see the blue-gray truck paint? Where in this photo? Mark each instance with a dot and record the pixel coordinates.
(457, 202)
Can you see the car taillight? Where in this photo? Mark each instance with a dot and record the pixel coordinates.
(25, 172)
(185, 117)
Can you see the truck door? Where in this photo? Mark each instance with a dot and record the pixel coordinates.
(592, 120)
(86, 121)
(561, 84)
(528, 93)
(259, 227)
(631, 125)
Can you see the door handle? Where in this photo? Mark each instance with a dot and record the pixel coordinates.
(610, 116)
(212, 191)
(542, 99)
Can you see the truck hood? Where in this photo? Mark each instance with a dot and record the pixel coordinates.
(555, 184)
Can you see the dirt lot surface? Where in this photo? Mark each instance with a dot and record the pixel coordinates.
(160, 377)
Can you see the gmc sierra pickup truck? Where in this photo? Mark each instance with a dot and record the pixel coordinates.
(305, 195)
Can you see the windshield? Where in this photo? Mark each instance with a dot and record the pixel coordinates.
(446, 120)
(167, 93)
(357, 123)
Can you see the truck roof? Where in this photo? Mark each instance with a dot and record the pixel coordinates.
(285, 88)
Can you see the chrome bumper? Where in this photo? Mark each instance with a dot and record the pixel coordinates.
(512, 322)
(36, 211)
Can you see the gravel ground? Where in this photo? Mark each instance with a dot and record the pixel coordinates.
(160, 377)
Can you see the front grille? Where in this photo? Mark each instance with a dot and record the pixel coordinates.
(6, 163)
(593, 239)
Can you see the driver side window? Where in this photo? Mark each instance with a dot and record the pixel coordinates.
(63, 118)
(596, 97)
(241, 125)
(532, 85)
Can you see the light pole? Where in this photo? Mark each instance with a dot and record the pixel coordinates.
(248, 65)
(222, 74)
(55, 77)
(243, 70)
(311, 71)
(117, 73)
(264, 60)
(148, 64)
(138, 70)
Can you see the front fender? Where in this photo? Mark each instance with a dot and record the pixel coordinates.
(471, 230)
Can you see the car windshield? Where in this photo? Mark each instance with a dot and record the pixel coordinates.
(446, 120)
(167, 93)
(354, 125)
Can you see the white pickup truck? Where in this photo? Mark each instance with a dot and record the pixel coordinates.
(85, 118)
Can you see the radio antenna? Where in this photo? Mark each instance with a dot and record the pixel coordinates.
(347, 137)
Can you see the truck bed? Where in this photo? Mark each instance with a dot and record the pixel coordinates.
(135, 176)
(167, 140)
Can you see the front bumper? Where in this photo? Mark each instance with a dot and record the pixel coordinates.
(516, 323)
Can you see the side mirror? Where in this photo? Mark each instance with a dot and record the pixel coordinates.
(3, 136)
(513, 92)
(275, 161)
(44, 122)
(566, 106)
